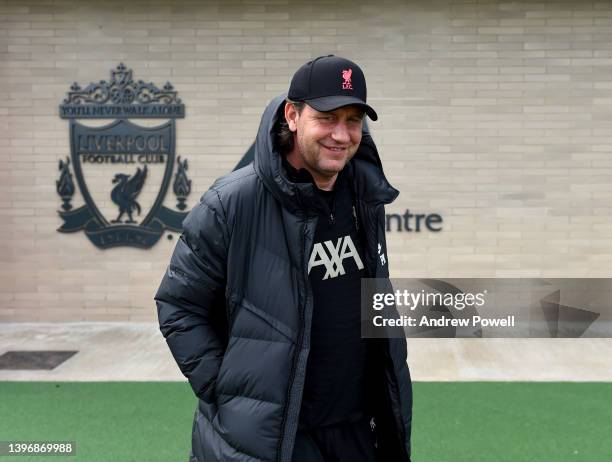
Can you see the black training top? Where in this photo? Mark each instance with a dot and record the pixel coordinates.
(335, 374)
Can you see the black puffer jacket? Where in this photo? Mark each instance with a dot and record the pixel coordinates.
(235, 307)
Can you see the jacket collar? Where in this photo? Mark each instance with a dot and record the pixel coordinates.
(365, 169)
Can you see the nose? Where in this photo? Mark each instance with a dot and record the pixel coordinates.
(340, 133)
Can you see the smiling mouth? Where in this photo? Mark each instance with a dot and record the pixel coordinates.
(335, 149)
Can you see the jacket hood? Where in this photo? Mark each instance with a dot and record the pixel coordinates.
(365, 168)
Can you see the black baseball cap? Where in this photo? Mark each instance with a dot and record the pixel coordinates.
(329, 82)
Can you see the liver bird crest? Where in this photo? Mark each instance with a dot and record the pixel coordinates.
(346, 74)
(126, 191)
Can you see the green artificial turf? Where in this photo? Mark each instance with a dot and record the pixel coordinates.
(473, 421)
(109, 421)
(512, 421)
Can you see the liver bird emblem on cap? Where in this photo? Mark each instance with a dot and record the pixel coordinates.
(346, 75)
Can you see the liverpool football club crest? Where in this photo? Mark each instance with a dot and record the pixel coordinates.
(123, 170)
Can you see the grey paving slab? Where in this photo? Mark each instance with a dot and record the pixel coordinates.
(106, 351)
(534, 359)
(138, 352)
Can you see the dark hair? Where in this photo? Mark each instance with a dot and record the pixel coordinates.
(283, 137)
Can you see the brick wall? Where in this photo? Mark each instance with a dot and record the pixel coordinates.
(495, 115)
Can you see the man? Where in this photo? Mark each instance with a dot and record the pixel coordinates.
(260, 303)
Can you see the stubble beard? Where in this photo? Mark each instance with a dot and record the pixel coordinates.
(311, 156)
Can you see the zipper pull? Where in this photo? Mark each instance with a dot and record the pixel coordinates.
(355, 217)
(331, 218)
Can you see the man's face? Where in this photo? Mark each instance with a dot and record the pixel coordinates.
(326, 141)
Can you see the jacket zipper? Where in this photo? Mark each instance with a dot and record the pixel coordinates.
(400, 424)
(372, 273)
(299, 341)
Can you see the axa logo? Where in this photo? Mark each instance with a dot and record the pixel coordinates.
(332, 255)
(346, 75)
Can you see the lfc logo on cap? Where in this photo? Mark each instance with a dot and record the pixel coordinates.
(346, 75)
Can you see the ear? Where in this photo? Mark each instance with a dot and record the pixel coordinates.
(291, 116)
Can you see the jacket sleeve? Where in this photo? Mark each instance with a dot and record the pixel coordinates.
(190, 300)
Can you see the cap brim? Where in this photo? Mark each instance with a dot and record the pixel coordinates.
(331, 103)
